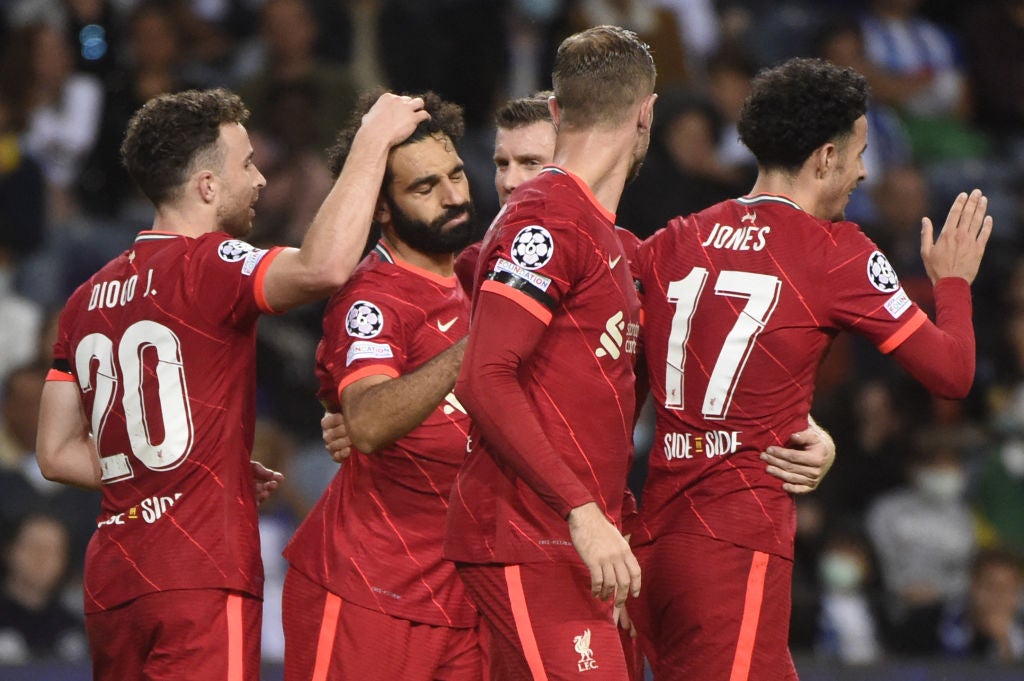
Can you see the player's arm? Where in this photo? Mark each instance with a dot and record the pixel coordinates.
(502, 337)
(380, 409)
(805, 461)
(942, 355)
(65, 449)
(334, 241)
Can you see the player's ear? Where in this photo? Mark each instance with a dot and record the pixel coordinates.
(205, 183)
(824, 159)
(382, 211)
(555, 110)
(646, 117)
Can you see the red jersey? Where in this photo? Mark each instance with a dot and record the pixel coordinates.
(741, 301)
(554, 252)
(162, 344)
(375, 535)
(465, 264)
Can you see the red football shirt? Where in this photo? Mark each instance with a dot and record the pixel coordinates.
(375, 536)
(554, 252)
(161, 342)
(740, 301)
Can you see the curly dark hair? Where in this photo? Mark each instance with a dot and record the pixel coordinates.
(169, 132)
(796, 107)
(445, 119)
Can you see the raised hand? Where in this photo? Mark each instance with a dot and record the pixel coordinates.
(961, 243)
(395, 117)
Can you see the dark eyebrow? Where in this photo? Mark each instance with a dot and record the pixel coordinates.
(433, 179)
(423, 181)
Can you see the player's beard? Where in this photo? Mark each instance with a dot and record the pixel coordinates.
(236, 220)
(432, 237)
(638, 160)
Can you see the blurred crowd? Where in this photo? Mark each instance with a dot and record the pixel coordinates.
(912, 544)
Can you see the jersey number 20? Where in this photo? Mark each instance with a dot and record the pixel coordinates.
(126, 368)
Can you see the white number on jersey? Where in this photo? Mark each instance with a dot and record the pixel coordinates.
(762, 294)
(172, 394)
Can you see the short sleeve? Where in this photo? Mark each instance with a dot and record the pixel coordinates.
(225, 278)
(363, 336)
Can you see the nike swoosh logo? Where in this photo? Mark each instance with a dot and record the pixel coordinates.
(613, 263)
(443, 328)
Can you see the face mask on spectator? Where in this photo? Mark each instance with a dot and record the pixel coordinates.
(841, 572)
(940, 484)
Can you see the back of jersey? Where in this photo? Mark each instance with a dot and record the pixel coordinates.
(741, 301)
(161, 342)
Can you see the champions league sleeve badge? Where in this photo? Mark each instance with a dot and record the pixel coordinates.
(881, 274)
(533, 247)
(233, 250)
(364, 320)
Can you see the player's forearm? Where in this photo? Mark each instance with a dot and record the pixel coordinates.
(72, 462)
(502, 337)
(334, 241)
(65, 450)
(515, 437)
(942, 355)
(390, 410)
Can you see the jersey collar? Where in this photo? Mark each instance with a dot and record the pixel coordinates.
(385, 254)
(584, 188)
(754, 199)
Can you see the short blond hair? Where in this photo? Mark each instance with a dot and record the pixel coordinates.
(600, 75)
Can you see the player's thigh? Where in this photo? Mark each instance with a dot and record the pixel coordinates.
(542, 622)
(328, 638)
(199, 634)
(118, 643)
(712, 610)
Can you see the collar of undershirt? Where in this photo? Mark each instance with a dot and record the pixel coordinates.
(151, 235)
(754, 199)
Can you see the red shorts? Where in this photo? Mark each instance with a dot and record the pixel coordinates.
(539, 621)
(328, 638)
(714, 611)
(195, 634)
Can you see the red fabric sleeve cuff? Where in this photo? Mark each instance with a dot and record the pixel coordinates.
(373, 370)
(261, 274)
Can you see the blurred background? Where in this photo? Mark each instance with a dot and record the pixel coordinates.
(908, 556)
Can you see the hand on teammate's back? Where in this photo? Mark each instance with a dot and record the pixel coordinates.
(803, 463)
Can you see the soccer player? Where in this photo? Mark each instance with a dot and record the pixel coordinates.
(741, 301)
(548, 381)
(367, 595)
(524, 142)
(152, 393)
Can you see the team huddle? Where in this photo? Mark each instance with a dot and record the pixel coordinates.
(483, 396)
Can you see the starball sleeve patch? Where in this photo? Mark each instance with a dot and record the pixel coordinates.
(364, 320)
(881, 274)
(234, 250)
(533, 247)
